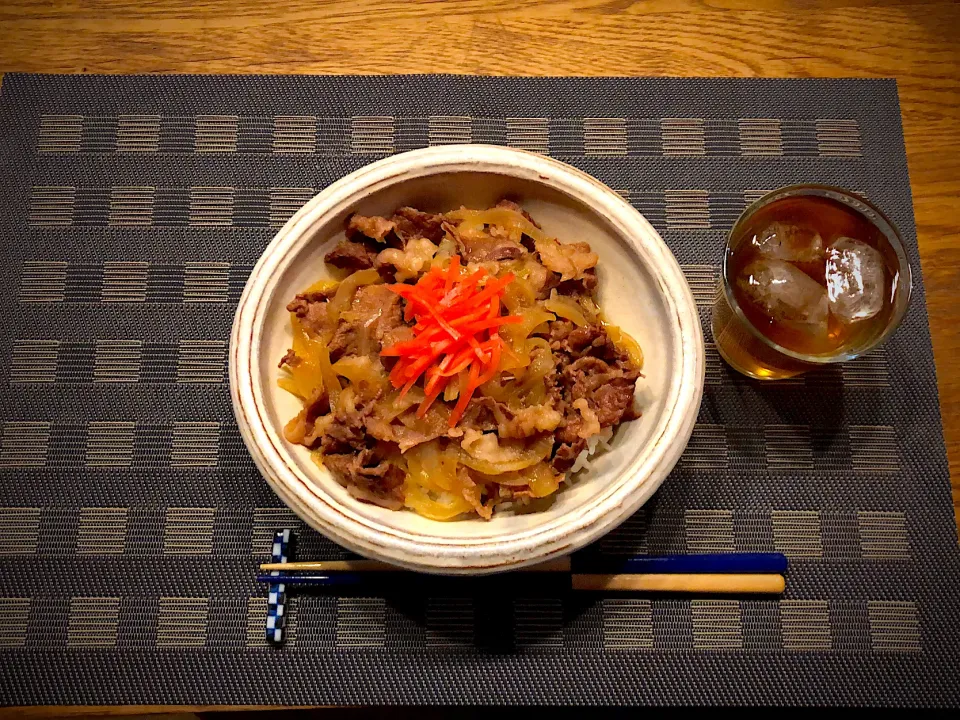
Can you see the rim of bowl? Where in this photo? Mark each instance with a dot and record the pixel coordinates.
(494, 551)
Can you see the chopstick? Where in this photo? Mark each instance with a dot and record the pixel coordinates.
(714, 563)
(738, 563)
(714, 583)
(716, 573)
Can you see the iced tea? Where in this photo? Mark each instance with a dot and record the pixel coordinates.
(812, 275)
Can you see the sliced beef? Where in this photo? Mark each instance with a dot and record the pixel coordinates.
(552, 281)
(589, 375)
(370, 235)
(474, 494)
(613, 403)
(347, 431)
(311, 310)
(502, 247)
(368, 477)
(607, 387)
(528, 421)
(591, 368)
(584, 285)
(343, 436)
(376, 320)
(481, 414)
(351, 255)
(585, 375)
(505, 250)
(571, 342)
(375, 228)
(400, 333)
(319, 295)
(390, 327)
(554, 392)
(589, 339)
(386, 491)
(488, 248)
(345, 341)
(565, 454)
(291, 359)
(405, 437)
(409, 223)
(380, 308)
(309, 425)
(569, 430)
(557, 333)
(407, 430)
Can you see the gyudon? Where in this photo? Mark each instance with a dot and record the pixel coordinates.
(461, 365)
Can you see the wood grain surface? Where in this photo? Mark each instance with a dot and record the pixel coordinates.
(914, 41)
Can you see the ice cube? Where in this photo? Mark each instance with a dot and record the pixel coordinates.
(788, 295)
(855, 280)
(794, 243)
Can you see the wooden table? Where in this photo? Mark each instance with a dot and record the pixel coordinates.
(914, 41)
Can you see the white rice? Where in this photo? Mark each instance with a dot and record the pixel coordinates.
(596, 443)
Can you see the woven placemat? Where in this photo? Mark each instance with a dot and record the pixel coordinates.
(132, 518)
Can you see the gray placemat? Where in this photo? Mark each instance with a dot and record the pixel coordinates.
(132, 518)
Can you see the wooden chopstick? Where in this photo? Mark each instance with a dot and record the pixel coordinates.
(707, 583)
(709, 563)
(713, 583)
(332, 566)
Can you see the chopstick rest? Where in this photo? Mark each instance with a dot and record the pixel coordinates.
(277, 592)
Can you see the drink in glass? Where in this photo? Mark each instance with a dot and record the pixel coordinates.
(811, 275)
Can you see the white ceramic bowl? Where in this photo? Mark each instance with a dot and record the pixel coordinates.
(641, 289)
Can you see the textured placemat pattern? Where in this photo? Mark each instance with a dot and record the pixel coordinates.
(131, 517)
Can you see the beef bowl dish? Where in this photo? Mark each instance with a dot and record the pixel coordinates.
(460, 366)
(466, 359)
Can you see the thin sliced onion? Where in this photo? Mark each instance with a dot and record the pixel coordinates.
(303, 379)
(359, 369)
(443, 506)
(516, 336)
(322, 286)
(540, 479)
(512, 221)
(566, 308)
(626, 343)
(346, 290)
(484, 453)
(432, 487)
